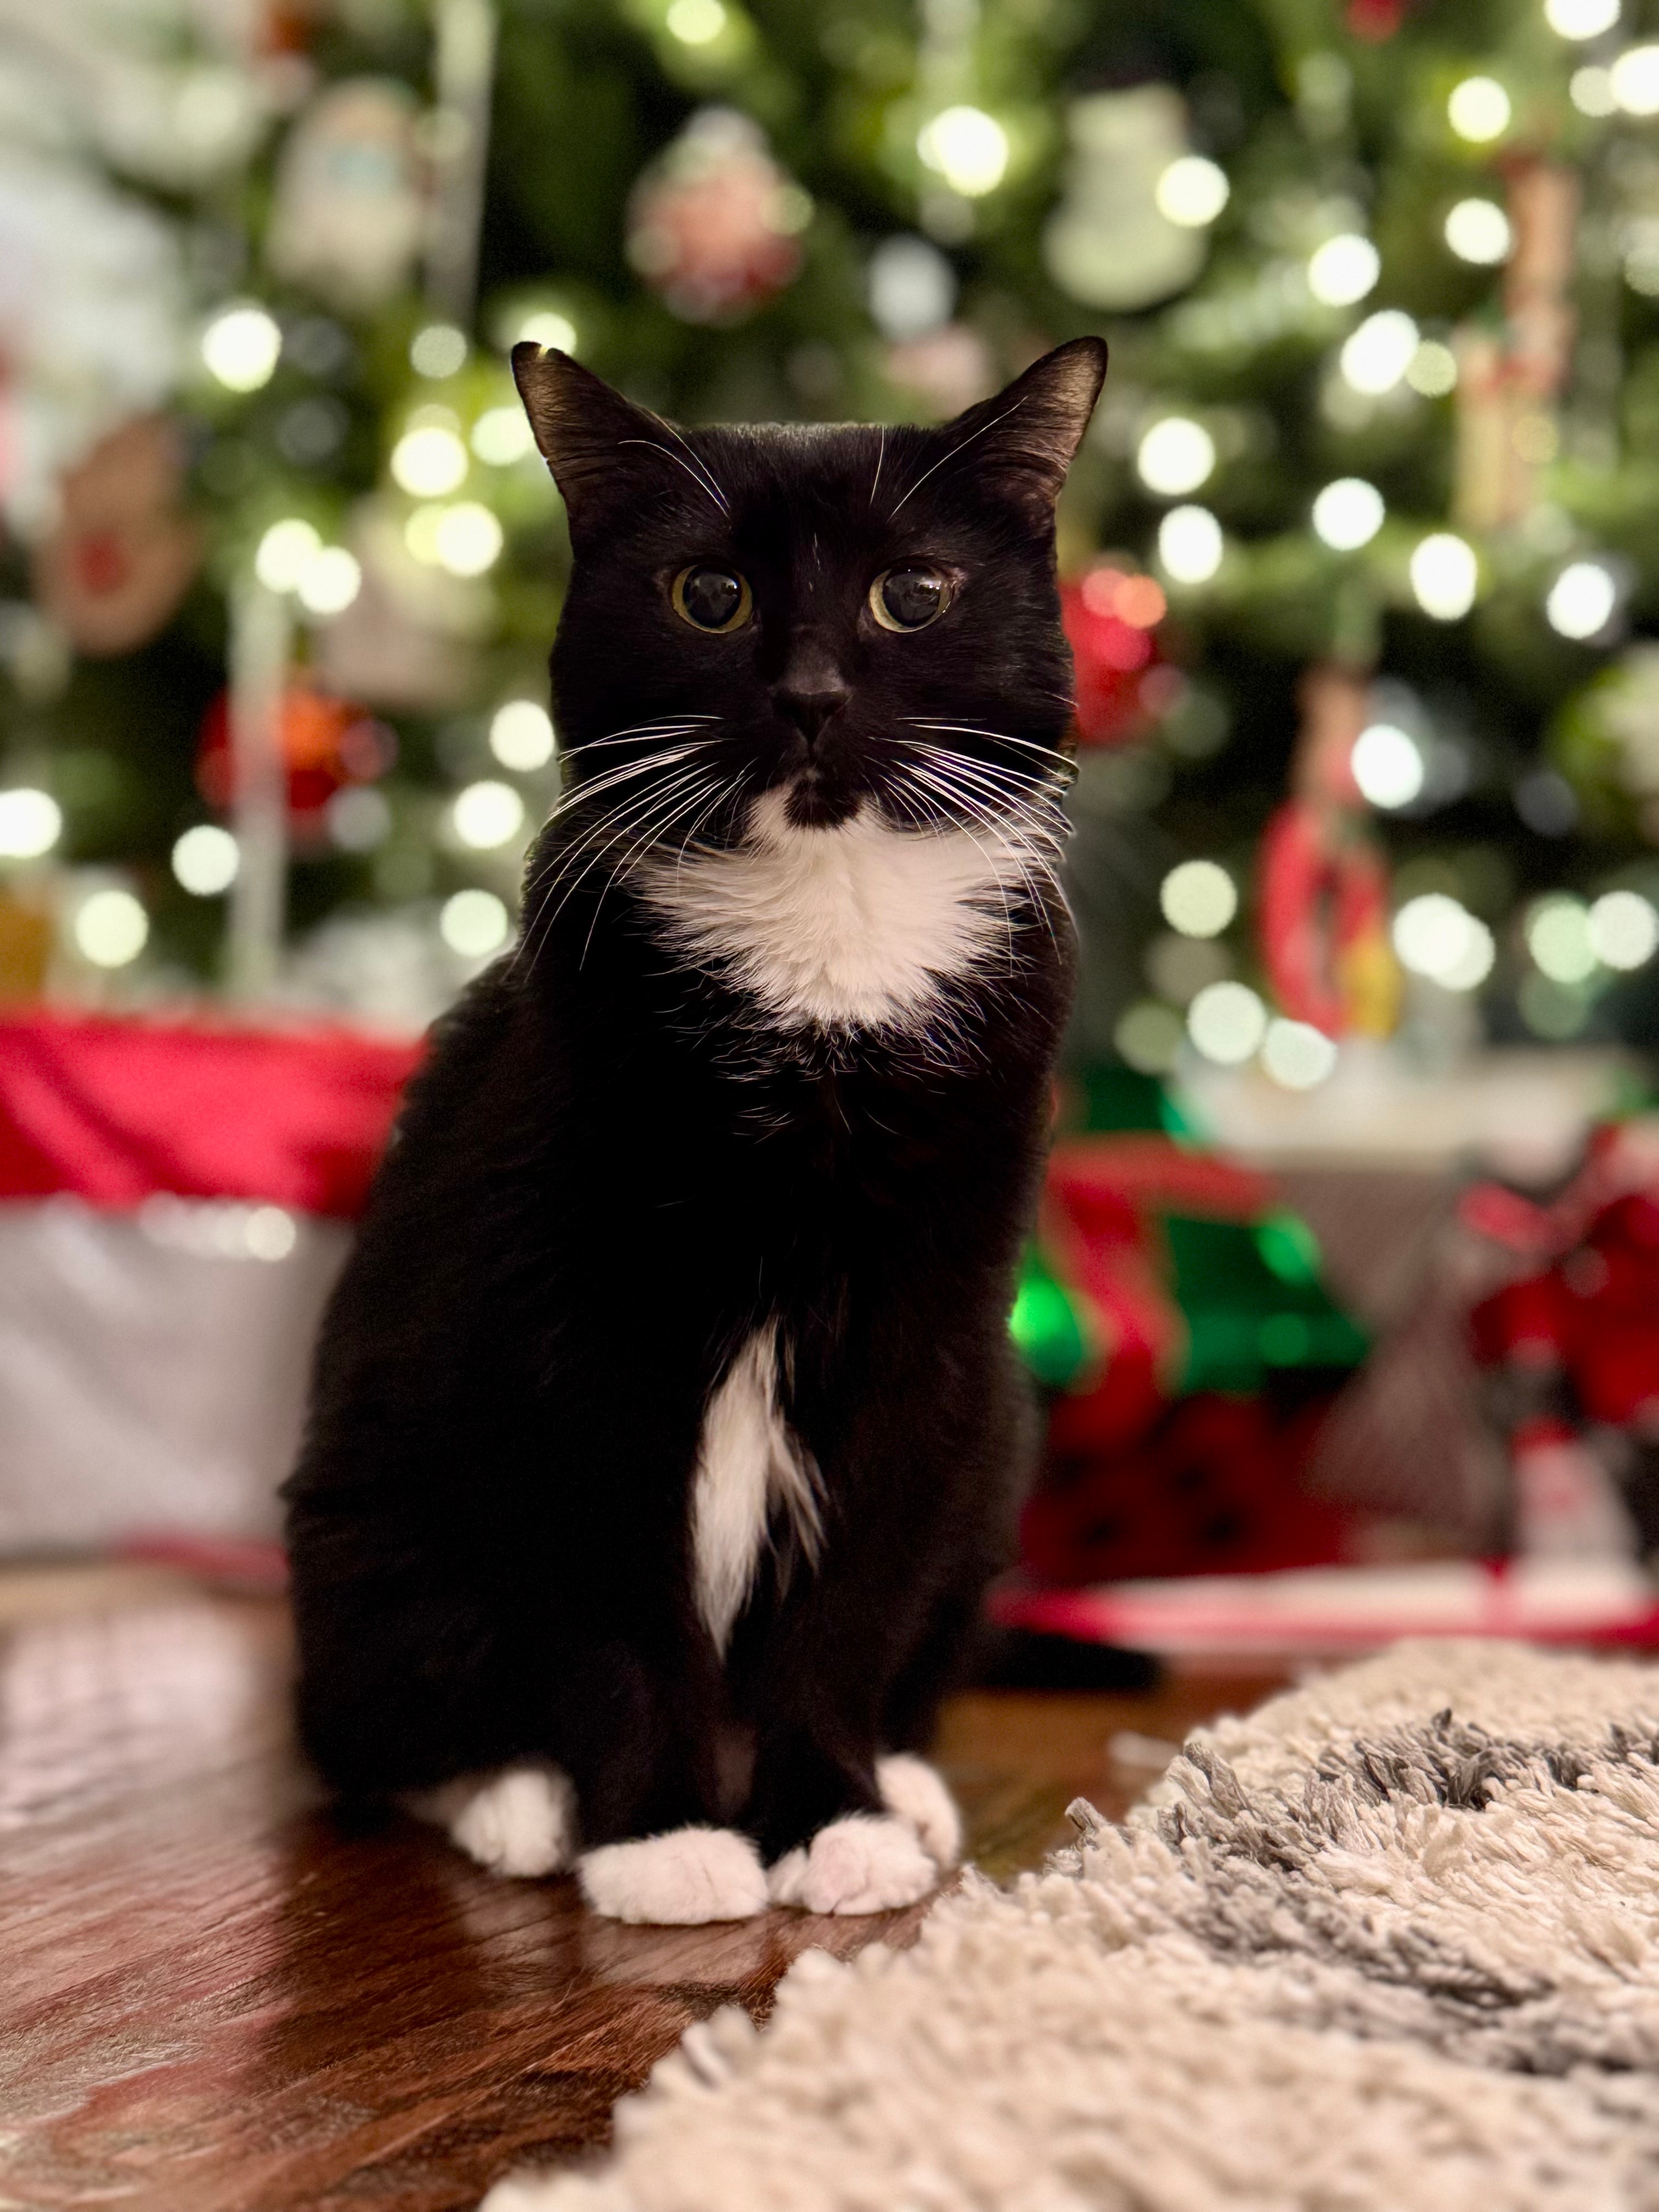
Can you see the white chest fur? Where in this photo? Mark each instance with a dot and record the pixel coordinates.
(747, 1462)
(854, 927)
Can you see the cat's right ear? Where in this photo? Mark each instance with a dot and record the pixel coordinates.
(582, 427)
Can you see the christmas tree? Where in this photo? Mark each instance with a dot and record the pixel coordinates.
(1357, 557)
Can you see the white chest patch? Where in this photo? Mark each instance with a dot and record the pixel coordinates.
(747, 1462)
(854, 927)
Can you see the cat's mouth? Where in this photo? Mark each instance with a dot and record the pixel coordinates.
(816, 797)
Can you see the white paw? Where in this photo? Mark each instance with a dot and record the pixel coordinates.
(685, 1877)
(522, 1821)
(916, 1792)
(868, 1863)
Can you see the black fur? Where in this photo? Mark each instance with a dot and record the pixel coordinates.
(612, 1168)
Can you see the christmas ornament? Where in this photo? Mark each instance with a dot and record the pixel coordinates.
(326, 742)
(124, 553)
(1570, 1346)
(1323, 895)
(350, 207)
(1508, 383)
(1108, 243)
(91, 316)
(713, 226)
(1110, 618)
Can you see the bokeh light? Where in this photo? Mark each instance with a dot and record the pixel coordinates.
(1478, 231)
(1348, 514)
(1634, 80)
(1559, 938)
(31, 823)
(1175, 456)
(430, 461)
(1298, 1056)
(1227, 1022)
(283, 551)
(1343, 269)
(1388, 766)
(1582, 599)
(1436, 935)
(467, 538)
(241, 347)
(329, 581)
(205, 859)
(1623, 928)
(1444, 575)
(1198, 898)
(1480, 110)
(487, 814)
(474, 923)
(111, 928)
(502, 435)
(1189, 544)
(521, 735)
(1377, 356)
(549, 329)
(1581, 19)
(437, 351)
(1192, 192)
(966, 147)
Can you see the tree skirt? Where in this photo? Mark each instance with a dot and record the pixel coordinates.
(1393, 1941)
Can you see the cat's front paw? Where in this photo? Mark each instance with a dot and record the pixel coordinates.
(868, 1863)
(679, 1879)
(916, 1792)
(522, 1821)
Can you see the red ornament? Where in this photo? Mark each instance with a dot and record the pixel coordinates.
(327, 742)
(1109, 619)
(713, 226)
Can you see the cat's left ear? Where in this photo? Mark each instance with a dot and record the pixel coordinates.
(583, 429)
(1027, 435)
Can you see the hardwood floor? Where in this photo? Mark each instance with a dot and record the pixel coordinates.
(212, 2000)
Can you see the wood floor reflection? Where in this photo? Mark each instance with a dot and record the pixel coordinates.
(214, 2000)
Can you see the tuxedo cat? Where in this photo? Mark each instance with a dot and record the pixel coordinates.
(665, 1429)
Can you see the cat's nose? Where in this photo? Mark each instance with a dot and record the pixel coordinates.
(810, 690)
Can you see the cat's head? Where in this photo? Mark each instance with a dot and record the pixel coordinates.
(829, 619)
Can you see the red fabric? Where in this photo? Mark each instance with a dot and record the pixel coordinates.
(114, 1111)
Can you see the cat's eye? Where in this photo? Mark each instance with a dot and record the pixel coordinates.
(908, 598)
(712, 598)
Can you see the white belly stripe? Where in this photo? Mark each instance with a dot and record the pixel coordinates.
(747, 1460)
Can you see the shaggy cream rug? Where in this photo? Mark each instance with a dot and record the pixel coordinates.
(1391, 1944)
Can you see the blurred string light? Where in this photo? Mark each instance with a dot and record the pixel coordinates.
(1175, 456)
(283, 551)
(487, 814)
(1432, 370)
(547, 327)
(697, 22)
(1437, 937)
(1581, 19)
(1479, 110)
(912, 288)
(31, 823)
(1198, 898)
(1189, 544)
(1623, 928)
(1192, 192)
(1590, 90)
(1348, 514)
(1444, 575)
(1343, 269)
(521, 735)
(111, 928)
(1388, 765)
(328, 581)
(1376, 356)
(467, 538)
(1297, 1055)
(474, 923)
(204, 860)
(241, 347)
(1227, 1022)
(1478, 231)
(1559, 938)
(1582, 599)
(1633, 81)
(1148, 1036)
(966, 147)
(359, 817)
(437, 351)
(429, 461)
(502, 435)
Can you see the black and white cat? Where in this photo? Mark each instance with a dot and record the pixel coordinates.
(665, 1429)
